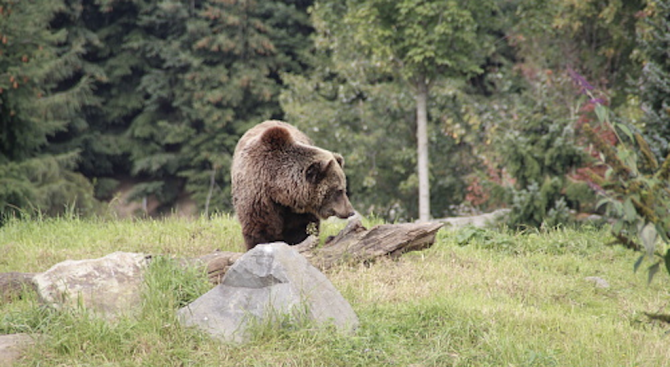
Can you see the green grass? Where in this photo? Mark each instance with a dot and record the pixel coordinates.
(476, 298)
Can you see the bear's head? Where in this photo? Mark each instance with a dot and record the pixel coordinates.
(326, 175)
(312, 179)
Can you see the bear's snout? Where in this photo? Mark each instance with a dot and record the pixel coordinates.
(345, 215)
(344, 210)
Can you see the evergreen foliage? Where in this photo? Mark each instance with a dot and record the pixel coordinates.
(101, 130)
(208, 72)
(598, 37)
(43, 88)
(538, 149)
(94, 93)
(654, 40)
(171, 87)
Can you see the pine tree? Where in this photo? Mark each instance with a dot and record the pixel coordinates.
(106, 28)
(42, 89)
(211, 70)
(654, 40)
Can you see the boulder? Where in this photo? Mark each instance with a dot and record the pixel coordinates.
(267, 284)
(11, 347)
(109, 285)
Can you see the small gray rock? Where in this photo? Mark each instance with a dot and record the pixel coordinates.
(266, 282)
(598, 282)
(481, 220)
(109, 285)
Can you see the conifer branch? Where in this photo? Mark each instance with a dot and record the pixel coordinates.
(664, 172)
(645, 211)
(620, 169)
(649, 158)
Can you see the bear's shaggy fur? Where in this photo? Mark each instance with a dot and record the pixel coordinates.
(282, 184)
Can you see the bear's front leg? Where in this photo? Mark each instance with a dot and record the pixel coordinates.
(298, 226)
(262, 223)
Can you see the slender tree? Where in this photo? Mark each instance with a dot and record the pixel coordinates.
(349, 104)
(424, 42)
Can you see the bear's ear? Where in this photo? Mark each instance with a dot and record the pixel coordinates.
(339, 159)
(277, 137)
(317, 171)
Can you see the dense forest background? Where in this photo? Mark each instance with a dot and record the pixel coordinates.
(147, 99)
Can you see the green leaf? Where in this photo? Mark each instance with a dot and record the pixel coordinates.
(625, 130)
(601, 112)
(666, 259)
(648, 236)
(617, 227)
(615, 209)
(662, 232)
(637, 264)
(652, 271)
(630, 214)
(629, 158)
(602, 202)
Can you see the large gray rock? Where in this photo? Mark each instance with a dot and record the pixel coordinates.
(268, 281)
(109, 285)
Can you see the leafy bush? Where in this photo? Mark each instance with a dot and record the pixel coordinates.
(635, 190)
(538, 148)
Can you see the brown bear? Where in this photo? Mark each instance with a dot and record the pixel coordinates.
(282, 184)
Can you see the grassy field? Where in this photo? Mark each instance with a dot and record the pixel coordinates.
(476, 298)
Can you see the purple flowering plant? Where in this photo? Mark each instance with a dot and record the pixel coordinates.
(636, 188)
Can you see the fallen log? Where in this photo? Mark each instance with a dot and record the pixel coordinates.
(357, 244)
(215, 264)
(354, 244)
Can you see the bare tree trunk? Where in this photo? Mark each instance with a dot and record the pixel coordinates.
(422, 148)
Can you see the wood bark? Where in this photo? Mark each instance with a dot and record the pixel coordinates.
(422, 147)
(357, 244)
(215, 264)
(354, 244)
